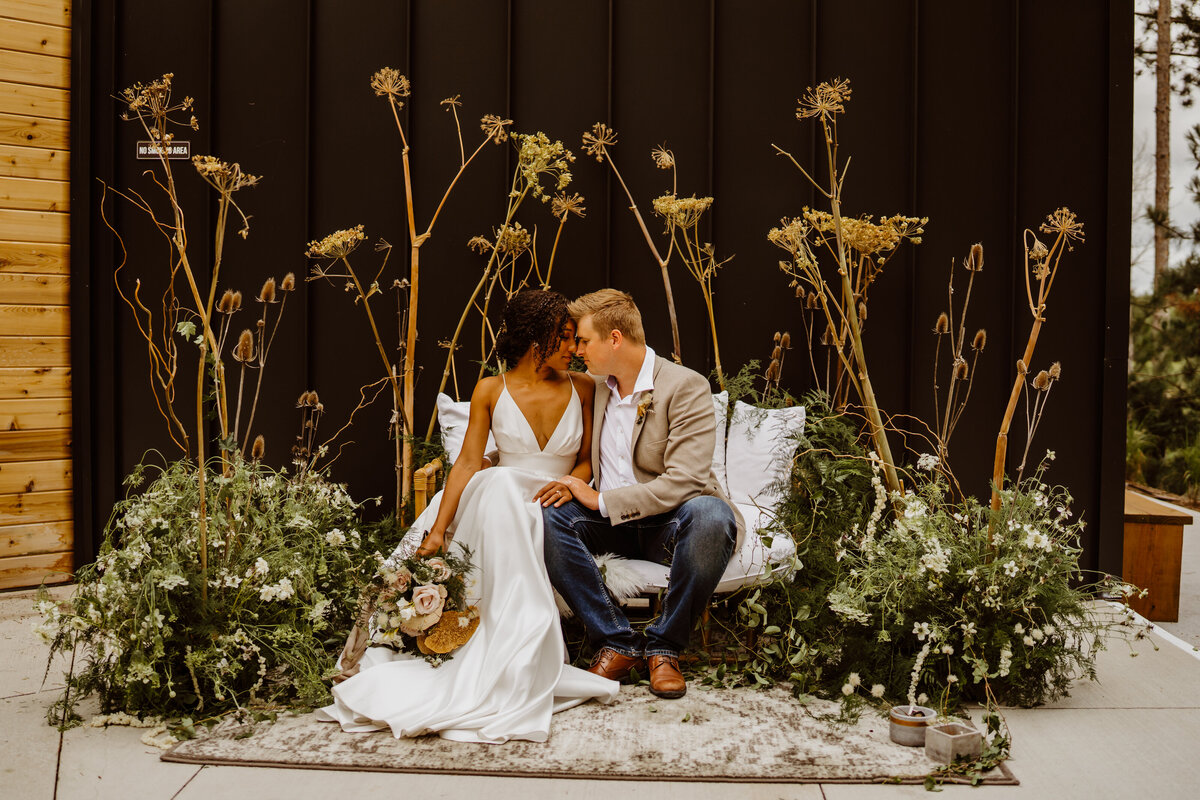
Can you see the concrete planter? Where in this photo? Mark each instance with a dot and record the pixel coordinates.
(908, 724)
(948, 741)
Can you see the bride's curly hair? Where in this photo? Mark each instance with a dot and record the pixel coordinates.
(532, 317)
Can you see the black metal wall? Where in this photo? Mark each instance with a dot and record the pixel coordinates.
(982, 116)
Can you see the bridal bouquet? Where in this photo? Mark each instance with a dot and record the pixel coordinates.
(419, 605)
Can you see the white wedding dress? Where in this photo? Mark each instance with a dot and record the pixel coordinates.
(508, 680)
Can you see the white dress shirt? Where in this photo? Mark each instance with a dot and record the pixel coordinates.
(616, 432)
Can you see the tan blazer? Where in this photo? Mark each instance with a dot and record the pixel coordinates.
(672, 447)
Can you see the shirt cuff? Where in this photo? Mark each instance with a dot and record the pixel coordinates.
(603, 508)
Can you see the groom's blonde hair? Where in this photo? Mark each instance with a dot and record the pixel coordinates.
(610, 310)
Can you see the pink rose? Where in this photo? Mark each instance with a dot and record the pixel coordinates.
(439, 569)
(429, 598)
(400, 580)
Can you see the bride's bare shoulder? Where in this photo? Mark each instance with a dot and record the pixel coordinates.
(488, 390)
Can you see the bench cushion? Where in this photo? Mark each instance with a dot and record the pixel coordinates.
(452, 419)
(759, 452)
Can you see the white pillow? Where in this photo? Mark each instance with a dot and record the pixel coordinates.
(759, 453)
(452, 419)
(721, 412)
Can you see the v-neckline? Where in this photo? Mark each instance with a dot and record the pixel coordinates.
(529, 425)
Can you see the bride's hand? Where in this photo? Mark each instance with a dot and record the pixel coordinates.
(553, 493)
(432, 543)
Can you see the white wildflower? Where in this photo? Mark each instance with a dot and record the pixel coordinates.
(927, 462)
(847, 689)
(877, 690)
(854, 679)
(335, 538)
(921, 630)
(1028, 640)
(1011, 569)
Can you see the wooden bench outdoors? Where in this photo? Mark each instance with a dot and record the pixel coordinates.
(1153, 555)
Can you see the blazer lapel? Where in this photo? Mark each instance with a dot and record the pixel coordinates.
(599, 406)
(639, 421)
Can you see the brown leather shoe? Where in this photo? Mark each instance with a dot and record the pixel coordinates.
(665, 678)
(608, 663)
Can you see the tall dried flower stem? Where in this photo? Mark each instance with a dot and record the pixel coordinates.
(203, 511)
(1045, 265)
(658, 258)
(410, 342)
(264, 347)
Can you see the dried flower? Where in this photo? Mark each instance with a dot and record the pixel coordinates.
(960, 369)
(942, 325)
(391, 83)
(244, 351)
(792, 236)
(479, 244)
(562, 205)
(786, 341)
(538, 156)
(598, 140)
(1022, 367)
(230, 302)
(1063, 223)
(451, 103)
(338, 244)
(288, 283)
(495, 127)
(513, 239)
(663, 158)
(267, 294)
(258, 448)
(975, 258)
(223, 176)
(824, 101)
(684, 212)
(1041, 381)
(862, 312)
(1055, 371)
(812, 301)
(980, 340)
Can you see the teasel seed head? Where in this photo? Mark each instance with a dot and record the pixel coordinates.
(319, 407)
(258, 448)
(980, 340)
(961, 371)
(1022, 367)
(244, 351)
(862, 312)
(267, 295)
(262, 323)
(1041, 381)
(776, 353)
(288, 283)
(825, 338)
(975, 258)
(227, 304)
(777, 337)
(812, 301)
(787, 340)
(942, 325)
(1055, 371)
(799, 289)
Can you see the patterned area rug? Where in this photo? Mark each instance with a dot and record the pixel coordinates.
(717, 735)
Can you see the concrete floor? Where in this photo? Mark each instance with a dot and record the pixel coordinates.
(1133, 733)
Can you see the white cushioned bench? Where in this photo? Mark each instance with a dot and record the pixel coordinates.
(751, 458)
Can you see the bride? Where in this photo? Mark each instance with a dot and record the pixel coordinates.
(508, 679)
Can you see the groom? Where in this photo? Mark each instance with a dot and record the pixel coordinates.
(655, 495)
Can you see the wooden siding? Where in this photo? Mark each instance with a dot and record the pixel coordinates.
(36, 470)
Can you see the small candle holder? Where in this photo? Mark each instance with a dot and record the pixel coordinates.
(948, 741)
(908, 724)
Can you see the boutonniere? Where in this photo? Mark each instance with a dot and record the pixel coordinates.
(644, 405)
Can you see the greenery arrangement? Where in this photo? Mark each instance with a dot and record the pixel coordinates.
(151, 634)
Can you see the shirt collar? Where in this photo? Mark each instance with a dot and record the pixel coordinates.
(645, 378)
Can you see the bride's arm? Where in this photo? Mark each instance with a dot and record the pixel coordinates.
(470, 458)
(586, 389)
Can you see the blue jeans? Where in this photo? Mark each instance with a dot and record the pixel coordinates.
(696, 540)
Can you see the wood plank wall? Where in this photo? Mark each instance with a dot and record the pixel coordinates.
(35, 372)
